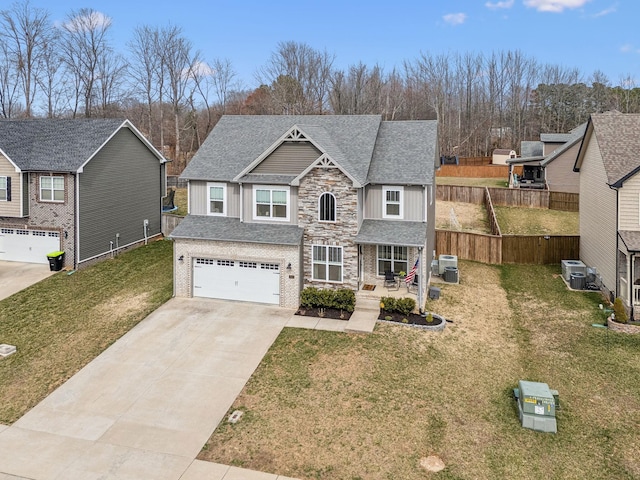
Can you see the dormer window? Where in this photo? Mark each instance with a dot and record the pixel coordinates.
(327, 207)
(392, 202)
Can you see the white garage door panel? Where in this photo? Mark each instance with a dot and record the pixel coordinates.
(30, 246)
(236, 280)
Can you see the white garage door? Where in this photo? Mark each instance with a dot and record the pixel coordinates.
(237, 280)
(30, 246)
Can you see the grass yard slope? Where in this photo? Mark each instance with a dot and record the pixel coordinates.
(65, 321)
(326, 405)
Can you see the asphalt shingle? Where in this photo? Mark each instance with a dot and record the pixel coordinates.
(56, 145)
(392, 232)
(618, 136)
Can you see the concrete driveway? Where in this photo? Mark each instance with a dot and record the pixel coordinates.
(146, 406)
(15, 276)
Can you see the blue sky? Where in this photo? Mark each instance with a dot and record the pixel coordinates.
(587, 34)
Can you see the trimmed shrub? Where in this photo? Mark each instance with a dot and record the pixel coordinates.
(342, 299)
(401, 305)
(620, 311)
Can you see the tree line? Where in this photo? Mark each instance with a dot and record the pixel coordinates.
(175, 95)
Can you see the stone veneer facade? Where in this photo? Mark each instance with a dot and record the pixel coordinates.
(50, 216)
(340, 233)
(284, 255)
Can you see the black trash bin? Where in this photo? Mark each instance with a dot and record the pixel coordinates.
(55, 261)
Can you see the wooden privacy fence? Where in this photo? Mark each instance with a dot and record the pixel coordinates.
(497, 248)
(511, 197)
(474, 171)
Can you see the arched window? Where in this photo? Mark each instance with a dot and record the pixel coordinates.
(327, 207)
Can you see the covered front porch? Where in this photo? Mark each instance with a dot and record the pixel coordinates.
(629, 271)
(388, 251)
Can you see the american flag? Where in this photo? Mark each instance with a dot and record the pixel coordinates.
(412, 272)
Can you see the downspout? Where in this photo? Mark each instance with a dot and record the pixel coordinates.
(76, 224)
(241, 203)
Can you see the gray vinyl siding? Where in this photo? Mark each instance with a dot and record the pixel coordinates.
(413, 203)
(233, 199)
(119, 188)
(559, 174)
(430, 193)
(12, 208)
(197, 198)
(247, 206)
(549, 147)
(598, 233)
(629, 202)
(290, 158)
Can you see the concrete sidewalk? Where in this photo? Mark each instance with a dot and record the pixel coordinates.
(146, 406)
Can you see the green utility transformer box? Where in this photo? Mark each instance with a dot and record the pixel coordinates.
(537, 406)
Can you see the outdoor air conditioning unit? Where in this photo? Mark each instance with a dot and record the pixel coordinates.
(447, 261)
(572, 266)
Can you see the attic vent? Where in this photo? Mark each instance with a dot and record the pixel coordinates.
(295, 134)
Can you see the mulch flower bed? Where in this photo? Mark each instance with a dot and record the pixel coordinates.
(333, 313)
(411, 318)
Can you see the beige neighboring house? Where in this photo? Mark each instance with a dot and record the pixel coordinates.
(609, 167)
(548, 164)
(501, 155)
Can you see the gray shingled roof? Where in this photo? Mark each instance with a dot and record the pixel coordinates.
(631, 240)
(392, 232)
(618, 136)
(201, 227)
(54, 145)
(238, 140)
(525, 160)
(555, 137)
(405, 153)
(575, 137)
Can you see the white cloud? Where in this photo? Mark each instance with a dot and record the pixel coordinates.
(629, 48)
(607, 11)
(556, 6)
(499, 5)
(87, 22)
(455, 18)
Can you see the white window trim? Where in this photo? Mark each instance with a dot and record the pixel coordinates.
(393, 260)
(271, 218)
(6, 189)
(327, 263)
(224, 199)
(52, 190)
(335, 208)
(388, 188)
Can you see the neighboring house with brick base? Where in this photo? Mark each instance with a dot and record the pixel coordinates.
(83, 186)
(278, 203)
(609, 167)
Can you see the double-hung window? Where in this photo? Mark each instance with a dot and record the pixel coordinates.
(327, 263)
(271, 203)
(52, 189)
(216, 195)
(392, 259)
(4, 189)
(392, 202)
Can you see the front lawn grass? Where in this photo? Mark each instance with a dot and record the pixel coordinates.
(61, 323)
(536, 221)
(325, 405)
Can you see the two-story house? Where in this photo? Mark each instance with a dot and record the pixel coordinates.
(87, 187)
(609, 167)
(278, 203)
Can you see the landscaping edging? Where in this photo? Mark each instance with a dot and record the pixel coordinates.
(623, 327)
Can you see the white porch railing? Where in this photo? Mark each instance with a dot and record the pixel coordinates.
(636, 295)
